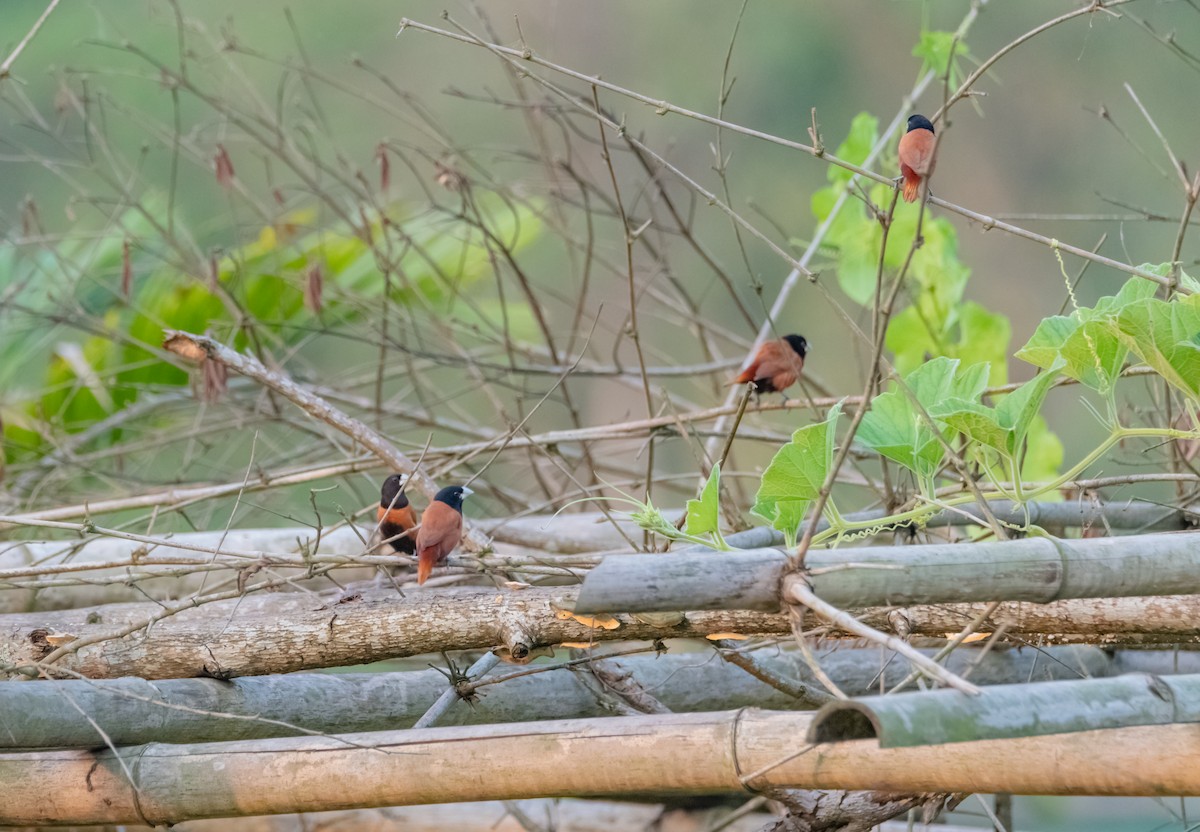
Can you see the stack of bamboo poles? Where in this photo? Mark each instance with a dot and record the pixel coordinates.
(126, 733)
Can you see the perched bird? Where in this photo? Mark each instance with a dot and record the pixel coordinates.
(396, 517)
(441, 529)
(916, 155)
(777, 364)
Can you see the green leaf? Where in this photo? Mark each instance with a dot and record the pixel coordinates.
(858, 262)
(976, 421)
(1166, 335)
(1043, 457)
(1005, 426)
(1018, 409)
(895, 428)
(983, 338)
(910, 340)
(1094, 355)
(1044, 347)
(1088, 341)
(937, 50)
(1135, 289)
(703, 515)
(864, 133)
(785, 517)
(794, 478)
(1186, 281)
(937, 269)
(938, 322)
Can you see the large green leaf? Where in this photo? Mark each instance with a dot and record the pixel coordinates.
(1019, 408)
(942, 277)
(794, 478)
(1087, 342)
(976, 421)
(1166, 335)
(1005, 426)
(1044, 347)
(1135, 289)
(895, 427)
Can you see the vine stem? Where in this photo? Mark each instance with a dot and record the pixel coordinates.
(915, 515)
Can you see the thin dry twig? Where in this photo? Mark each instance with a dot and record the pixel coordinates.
(196, 347)
(797, 591)
(6, 67)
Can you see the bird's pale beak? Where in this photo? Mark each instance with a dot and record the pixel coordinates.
(467, 492)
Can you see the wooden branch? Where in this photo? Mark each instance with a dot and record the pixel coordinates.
(1137, 620)
(226, 638)
(725, 751)
(805, 695)
(199, 347)
(185, 495)
(1033, 569)
(109, 562)
(1009, 711)
(281, 633)
(846, 811)
(66, 713)
(287, 632)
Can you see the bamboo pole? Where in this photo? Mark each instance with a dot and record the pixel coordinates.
(565, 815)
(100, 566)
(1033, 569)
(97, 569)
(1129, 515)
(724, 751)
(101, 561)
(131, 711)
(1010, 711)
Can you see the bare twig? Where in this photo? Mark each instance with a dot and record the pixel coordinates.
(6, 67)
(797, 591)
(198, 347)
(452, 694)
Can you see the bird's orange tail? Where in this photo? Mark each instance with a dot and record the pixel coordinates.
(912, 184)
(425, 562)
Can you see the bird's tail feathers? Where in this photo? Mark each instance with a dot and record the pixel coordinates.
(425, 562)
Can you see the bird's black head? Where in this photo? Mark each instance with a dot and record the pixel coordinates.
(797, 343)
(919, 122)
(453, 496)
(391, 491)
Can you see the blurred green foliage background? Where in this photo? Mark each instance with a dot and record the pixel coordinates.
(1054, 142)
